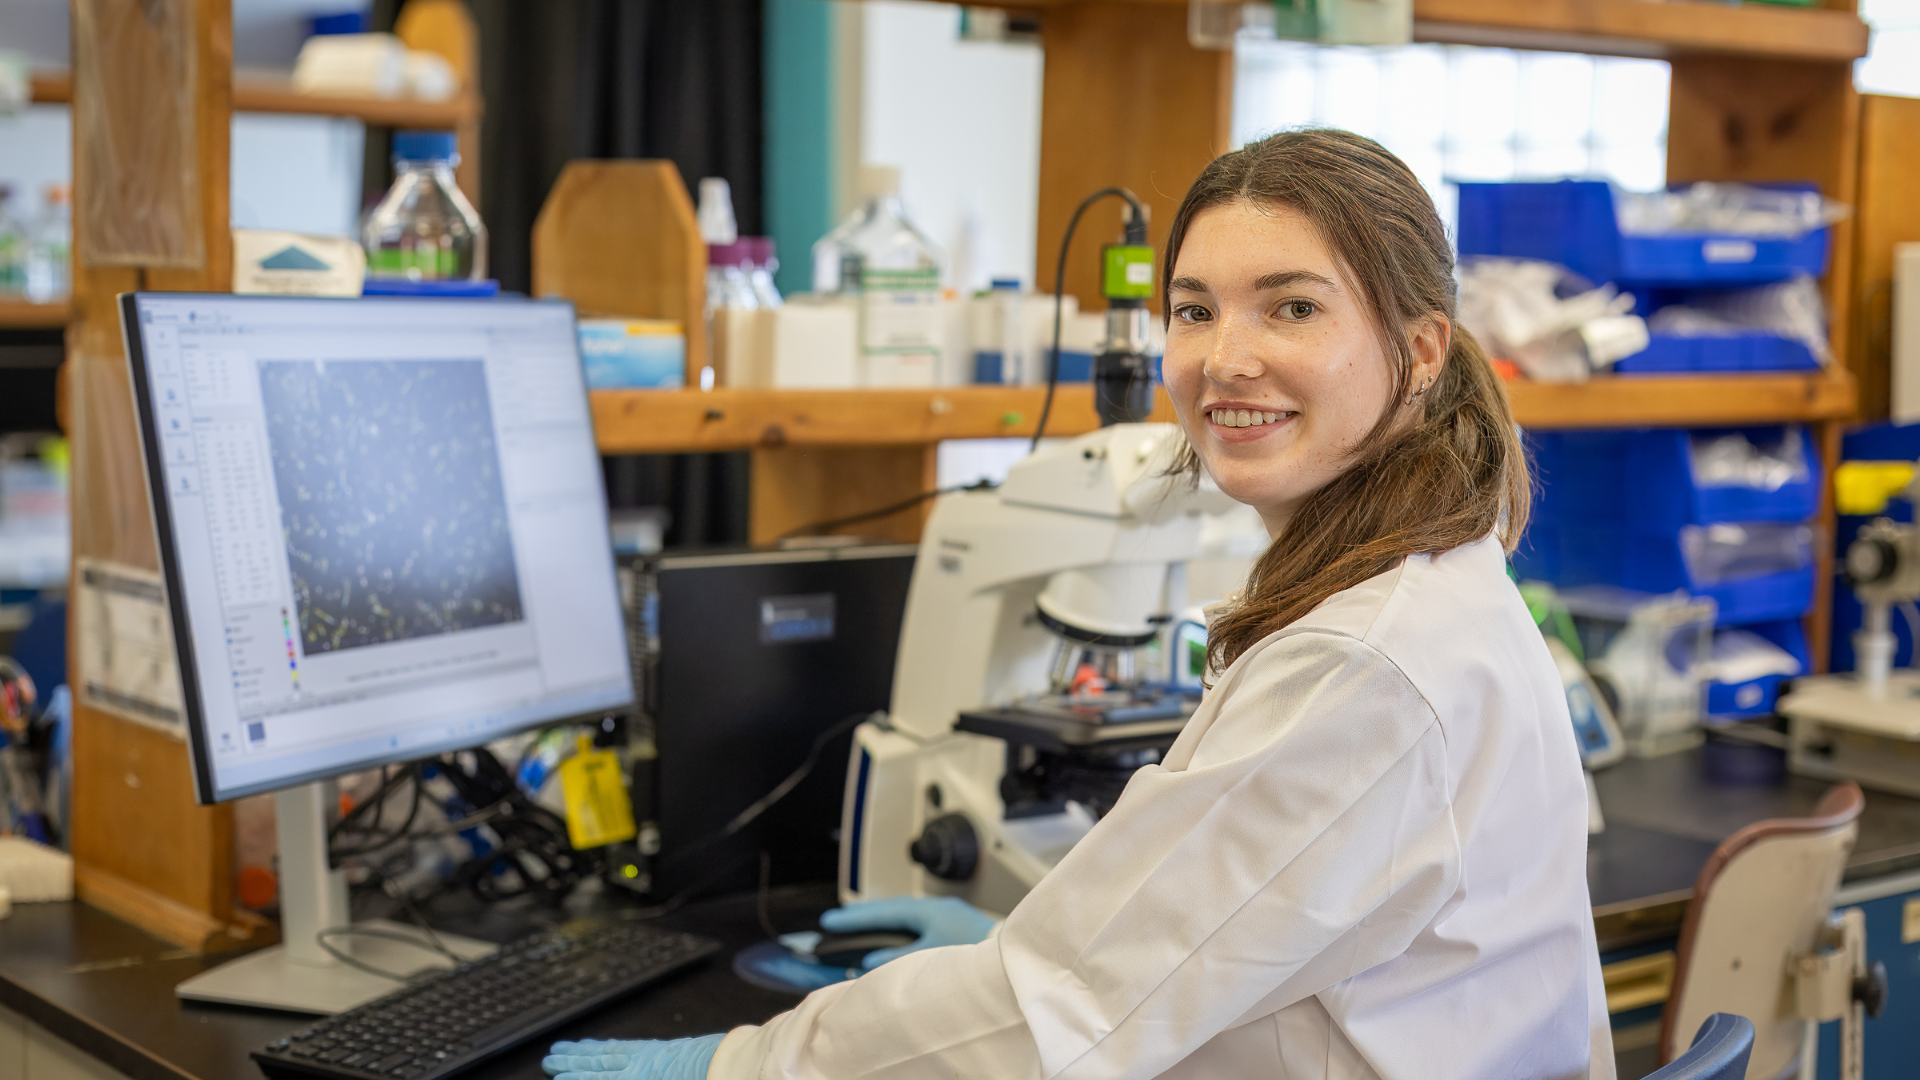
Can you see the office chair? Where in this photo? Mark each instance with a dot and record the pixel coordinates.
(1761, 941)
(1719, 1051)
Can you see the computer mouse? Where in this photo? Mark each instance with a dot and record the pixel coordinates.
(849, 949)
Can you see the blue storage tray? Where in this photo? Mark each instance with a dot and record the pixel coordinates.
(1756, 697)
(1734, 352)
(1643, 481)
(1571, 222)
(1590, 554)
(379, 286)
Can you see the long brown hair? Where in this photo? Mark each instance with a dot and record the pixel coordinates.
(1455, 474)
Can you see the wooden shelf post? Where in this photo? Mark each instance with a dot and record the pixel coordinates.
(1125, 101)
(142, 849)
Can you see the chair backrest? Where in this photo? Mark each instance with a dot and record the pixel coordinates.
(1761, 900)
(1719, 1051)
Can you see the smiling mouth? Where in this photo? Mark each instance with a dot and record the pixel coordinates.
(1238, 418)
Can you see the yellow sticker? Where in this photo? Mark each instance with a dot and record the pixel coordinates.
(598, 808)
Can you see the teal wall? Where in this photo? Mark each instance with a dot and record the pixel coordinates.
(799, 159)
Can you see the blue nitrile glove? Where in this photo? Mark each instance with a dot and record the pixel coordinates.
(642, 1059)
(939, 920)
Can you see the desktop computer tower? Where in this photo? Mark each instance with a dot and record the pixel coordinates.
(743, 660)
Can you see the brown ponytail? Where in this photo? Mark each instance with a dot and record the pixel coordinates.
(1450, 478)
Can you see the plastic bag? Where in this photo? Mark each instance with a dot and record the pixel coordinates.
(1547, 319)
(1726, 209)
(1793, 309)
(1727, 551)
(1743, 656)
(1731, 459)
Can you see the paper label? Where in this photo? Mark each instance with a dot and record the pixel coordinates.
(294, 264)
(599, 811)
(900, 312)
(124, 633)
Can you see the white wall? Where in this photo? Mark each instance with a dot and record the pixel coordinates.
(962, 121)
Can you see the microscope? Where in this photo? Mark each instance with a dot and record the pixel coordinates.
(1865, 725)
(1033, 670)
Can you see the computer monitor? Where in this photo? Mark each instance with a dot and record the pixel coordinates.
(383, 531)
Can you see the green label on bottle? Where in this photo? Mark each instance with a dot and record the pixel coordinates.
(1126, 272)
(423, 262)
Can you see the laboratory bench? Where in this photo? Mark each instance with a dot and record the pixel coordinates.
(92, 982)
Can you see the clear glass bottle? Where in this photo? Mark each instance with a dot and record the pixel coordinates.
(877, 236)
(49, 269)
(13, 248)
(883, 260)
(424, 229)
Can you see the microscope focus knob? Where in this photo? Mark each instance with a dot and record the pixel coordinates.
(1871, 559)
(948, 847)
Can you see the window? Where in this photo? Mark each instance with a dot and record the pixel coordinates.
(1455, 112)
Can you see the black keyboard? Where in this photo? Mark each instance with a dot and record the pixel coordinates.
(461, 1017)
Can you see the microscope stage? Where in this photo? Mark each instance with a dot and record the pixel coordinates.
(1064, 725)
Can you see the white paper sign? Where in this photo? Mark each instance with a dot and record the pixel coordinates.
(126, 660)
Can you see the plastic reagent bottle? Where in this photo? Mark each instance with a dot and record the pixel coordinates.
(715, 216)
(879, 257)
(424, 229)
(49, 271)
(1016, 365)
(728, 281)
(13, 248)
(760, 269)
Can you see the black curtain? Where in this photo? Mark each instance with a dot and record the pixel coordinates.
(570, 79)
(567, 79)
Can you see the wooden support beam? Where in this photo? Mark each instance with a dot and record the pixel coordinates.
(1886, 212)
(152, 107)
(1125, 101)
(1770, 120)
(795, 487)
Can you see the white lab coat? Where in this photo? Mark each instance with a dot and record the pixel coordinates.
(1363, 858)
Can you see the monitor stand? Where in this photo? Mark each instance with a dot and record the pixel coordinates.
(298, 975)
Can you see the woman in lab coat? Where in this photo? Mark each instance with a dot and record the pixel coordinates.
(1365, 855)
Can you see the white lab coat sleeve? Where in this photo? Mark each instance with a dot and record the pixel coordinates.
(1307, 838)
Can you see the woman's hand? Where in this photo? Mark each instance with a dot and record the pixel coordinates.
(939, 920)
(643, 1059)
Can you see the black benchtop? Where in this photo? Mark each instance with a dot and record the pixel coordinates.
(107, 987)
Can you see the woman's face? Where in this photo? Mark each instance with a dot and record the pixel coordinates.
(1273, 362)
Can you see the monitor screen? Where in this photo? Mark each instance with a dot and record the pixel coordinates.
(382, 524)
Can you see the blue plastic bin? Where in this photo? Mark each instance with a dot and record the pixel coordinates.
(1572, 222)
(1595, 554)
(379, 286)
(1734, 352)
(1643, 481)
(1757, 697)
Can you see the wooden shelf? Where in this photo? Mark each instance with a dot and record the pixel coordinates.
(271, 96)
(1656, 28)
(1652, 28)
(1685, 400)
(689, 421)
(686, 421)
(21, 315)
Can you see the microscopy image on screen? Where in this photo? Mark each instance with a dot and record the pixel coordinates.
(391, 499)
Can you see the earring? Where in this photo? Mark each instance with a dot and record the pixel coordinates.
(1422, 390)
